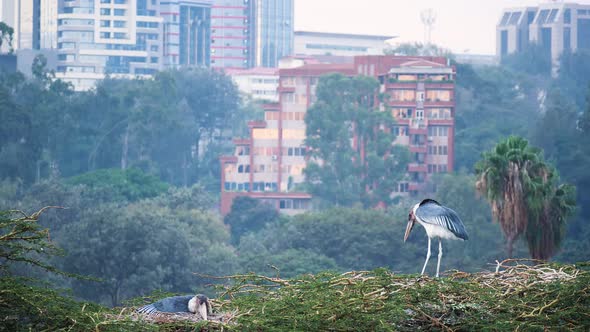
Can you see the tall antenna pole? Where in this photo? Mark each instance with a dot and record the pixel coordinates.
(428, 17)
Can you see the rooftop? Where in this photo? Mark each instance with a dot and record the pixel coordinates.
(342, 35)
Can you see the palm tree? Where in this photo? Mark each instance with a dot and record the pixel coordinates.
(521, 189)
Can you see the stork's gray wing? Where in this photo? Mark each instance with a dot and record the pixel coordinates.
(169, 304)
(436, 214)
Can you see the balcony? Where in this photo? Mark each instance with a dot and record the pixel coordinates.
(448, 122)
(286, 89)
(241, 141)
(418, 148)
(271, 107)
(257, 124)
(439, 103)
(417, 131)
(402, 103)
(440, 85)
(417, 168)
(394, 84)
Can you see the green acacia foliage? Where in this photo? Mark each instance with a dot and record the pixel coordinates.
(517, 298)
(353, 160)
(525, 196)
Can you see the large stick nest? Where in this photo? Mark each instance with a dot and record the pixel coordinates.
(515, 295)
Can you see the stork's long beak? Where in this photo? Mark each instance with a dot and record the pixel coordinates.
(411, 222)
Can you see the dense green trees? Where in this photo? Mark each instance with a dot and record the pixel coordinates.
(171, 126)
(248, 215)
(353, 160)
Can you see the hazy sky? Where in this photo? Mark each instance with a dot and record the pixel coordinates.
(461, 25)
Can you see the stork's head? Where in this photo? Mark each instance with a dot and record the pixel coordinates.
(200, 304)
(411, 221)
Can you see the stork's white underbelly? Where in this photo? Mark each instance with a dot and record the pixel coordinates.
(438, 231)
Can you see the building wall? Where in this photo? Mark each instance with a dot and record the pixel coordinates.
(118, 37)
(48, 10)
(274, 31)
(187, 32)
(317, 43)
(422, 100)
(257, 83)
(555, 26)
(232, 34)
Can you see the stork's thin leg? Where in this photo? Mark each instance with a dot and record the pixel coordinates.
(427, 257)
(439, 256)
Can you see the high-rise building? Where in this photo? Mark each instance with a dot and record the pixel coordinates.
(23, 17)
(47, 24)
(274, 31)
(100, 37)
(555, 26)
(187, 32)
(232, 34)
(269, 164)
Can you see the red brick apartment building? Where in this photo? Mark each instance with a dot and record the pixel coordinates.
(269, 164)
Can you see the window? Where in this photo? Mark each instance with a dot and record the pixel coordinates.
(120, 35)
(243, 168)
(154, 48)
(120, 2)
(438, 131)
(66, 46)
(105, 35)
(567, 16)
(419, 114)
(119, 24)
(296, 152)
(119, 12)
(403, 95)
(66, 57)
(75, 22)
(105, 11)
(105, 24)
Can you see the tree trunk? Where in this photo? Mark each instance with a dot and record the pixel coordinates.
(196, 156)
(510, 246)
(125, 152)
(184, 170)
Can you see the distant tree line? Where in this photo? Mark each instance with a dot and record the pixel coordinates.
(172, 126)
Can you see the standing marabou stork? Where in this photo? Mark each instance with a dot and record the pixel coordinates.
(438, 221)
(178, 304)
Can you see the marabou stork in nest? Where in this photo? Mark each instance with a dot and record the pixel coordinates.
(198, 304)
(439, 222)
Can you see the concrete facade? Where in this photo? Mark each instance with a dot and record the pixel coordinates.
(273, 158)
(115, 37)
(274, 31)
(187, 32)
(323, 43)
(555, 26)
(232, 34)
(258, 83)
